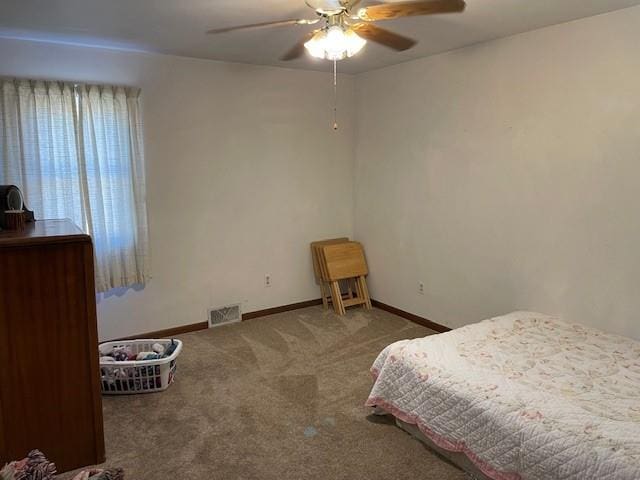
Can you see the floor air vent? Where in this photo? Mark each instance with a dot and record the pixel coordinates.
(224, 315)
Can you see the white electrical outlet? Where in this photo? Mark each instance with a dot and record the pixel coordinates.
(421, 288)
(267, 280)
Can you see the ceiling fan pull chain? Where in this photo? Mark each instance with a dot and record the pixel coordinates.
(335, 95)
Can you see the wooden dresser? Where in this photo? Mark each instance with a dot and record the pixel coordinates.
(49, 375)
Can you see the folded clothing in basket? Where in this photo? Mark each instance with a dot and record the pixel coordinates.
(111, 354)
(36, 467)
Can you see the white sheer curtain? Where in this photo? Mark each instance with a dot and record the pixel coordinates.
(76, 151)
(38, 151)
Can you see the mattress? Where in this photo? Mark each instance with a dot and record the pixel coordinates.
(523, 396)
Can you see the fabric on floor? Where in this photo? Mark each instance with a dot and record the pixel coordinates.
(278, 397)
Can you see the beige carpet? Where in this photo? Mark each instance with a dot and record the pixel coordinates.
(279, 397)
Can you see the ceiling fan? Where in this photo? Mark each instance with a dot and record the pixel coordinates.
(345, 27)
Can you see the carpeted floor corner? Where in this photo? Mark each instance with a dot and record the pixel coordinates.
(274, 398)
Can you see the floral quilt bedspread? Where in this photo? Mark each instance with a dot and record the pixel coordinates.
(524, 396)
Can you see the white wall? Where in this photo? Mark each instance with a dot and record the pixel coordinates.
(507, 176)
(243, 171)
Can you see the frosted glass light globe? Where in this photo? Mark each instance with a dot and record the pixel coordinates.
(315, 46)
(335, 43)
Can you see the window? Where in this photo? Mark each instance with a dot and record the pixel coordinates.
(76, 151)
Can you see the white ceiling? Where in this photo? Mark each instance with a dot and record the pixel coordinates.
(177, 26)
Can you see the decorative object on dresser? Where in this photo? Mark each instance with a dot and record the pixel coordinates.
(13, 213)
(49, 380)
(15, 219)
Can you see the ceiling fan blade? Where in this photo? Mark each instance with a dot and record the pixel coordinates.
(279, 23)
(298, 49)
(383, 37)
(389, 11)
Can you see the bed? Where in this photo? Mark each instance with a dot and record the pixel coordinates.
(521, 396)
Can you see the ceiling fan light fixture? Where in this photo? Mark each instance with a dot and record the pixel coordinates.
(354, 42)
(335, 43)
(315, 46)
